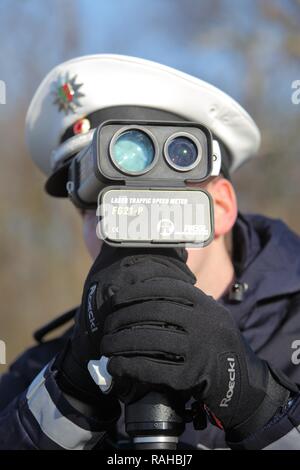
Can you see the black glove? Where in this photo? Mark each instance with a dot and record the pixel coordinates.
(113, 269)
(165, 332)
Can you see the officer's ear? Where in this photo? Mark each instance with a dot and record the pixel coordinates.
(225, 205)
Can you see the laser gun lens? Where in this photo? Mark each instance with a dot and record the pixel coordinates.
(133, 152)
(182, 153)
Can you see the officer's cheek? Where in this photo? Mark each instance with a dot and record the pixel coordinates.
(92, 242)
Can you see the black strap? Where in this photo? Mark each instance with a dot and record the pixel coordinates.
(56, 323)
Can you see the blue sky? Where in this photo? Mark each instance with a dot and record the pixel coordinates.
(187, 34)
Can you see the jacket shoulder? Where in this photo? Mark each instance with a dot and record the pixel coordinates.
(25, 368)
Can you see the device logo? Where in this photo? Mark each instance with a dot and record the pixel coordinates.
(165, 227)
(231, 384)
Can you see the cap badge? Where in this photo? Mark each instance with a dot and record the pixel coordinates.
(66, 94)
(81, 126)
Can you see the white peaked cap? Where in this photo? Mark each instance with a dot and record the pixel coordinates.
(106, 80)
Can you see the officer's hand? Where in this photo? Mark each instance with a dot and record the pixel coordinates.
(113, 269)
(164, 331)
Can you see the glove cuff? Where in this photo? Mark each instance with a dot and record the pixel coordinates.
(278, 392)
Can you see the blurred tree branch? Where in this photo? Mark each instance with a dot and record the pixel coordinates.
(287, 16)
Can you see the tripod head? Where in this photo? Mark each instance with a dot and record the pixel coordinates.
(155, 421)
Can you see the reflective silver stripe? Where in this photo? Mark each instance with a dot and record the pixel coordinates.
(203, 447)
(54, 425)
(147, 439)
(291, 441)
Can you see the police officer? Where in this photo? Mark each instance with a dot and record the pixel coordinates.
(216, 324)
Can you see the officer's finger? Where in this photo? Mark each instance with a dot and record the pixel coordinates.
(146, 340)
(149, 371)
(163, 313)
(160, 288)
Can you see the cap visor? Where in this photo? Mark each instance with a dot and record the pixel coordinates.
(56, 183)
